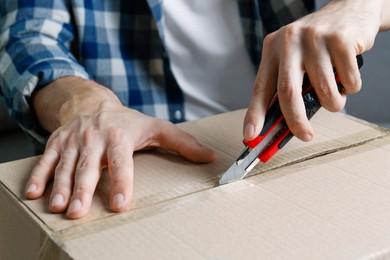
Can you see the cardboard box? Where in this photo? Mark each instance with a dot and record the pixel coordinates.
(327, 199)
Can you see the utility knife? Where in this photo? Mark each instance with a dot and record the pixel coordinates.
(275, 133)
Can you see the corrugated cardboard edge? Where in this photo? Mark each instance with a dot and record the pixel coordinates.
(364, 122)
(258, 170)
(23, 228)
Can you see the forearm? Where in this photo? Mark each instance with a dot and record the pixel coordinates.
(33, 53)
(378, 8)
(67, 97)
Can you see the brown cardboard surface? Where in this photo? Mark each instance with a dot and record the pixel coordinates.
(325, 199)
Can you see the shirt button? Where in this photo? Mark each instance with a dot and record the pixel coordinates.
(177, 115)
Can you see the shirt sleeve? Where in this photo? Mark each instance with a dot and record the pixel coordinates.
(35, 43)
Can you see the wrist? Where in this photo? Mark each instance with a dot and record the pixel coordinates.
(67, 97)
(87, 98)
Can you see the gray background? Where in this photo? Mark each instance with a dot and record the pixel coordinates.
(372, 103)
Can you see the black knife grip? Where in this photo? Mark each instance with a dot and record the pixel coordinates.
(273, 115)
(310, 99)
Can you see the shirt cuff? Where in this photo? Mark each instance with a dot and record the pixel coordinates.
(22, 87)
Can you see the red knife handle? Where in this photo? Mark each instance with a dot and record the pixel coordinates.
(284, 135)
(274, 117)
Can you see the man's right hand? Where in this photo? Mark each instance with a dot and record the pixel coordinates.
(92, 130)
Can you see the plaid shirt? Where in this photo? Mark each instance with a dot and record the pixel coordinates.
(119, 44)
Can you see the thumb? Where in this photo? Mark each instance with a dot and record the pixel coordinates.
(255, 115)
(176, 140)
(264, 90)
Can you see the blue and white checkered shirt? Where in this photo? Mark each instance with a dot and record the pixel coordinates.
(119, 44)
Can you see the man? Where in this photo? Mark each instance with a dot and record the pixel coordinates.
(91, 73)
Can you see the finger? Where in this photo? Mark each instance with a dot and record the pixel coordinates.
(290, 98)
(344, 61)
(41, 173)
(87, 175)
(63, 180)
(320, 70)
(264, 90)
(322, 78)
(120, 168)
(176, 140)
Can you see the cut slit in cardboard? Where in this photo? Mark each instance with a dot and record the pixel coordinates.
(327, 199)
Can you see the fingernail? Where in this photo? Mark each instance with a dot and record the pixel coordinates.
(118, 201)
(33, 187)
(57, 200)
(249, 131)
(75, 206)
(305, 137)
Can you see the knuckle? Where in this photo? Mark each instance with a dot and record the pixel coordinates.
(84, 164)
(258, 91)
(313, 32)
(101, 118)
(115, 163)
(115, 134)
(333, 105)
(296, 124)
(291, 32)
(299, 126)
(163, 130)
(313, 36)
(70, 142)
(89, 136)
(61, 137)
(285, 88)
(68, 156)
(338, 38)
(54, 143)
(323, 90)
(352, 84)
(63, 166)
(69, 153)
(268, 42)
